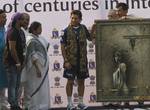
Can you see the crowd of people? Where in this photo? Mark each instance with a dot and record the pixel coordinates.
(24, 61)
(24, 64)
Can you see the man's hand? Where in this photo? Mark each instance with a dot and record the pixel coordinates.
(67, 65)
(93, 33)
(19, 67)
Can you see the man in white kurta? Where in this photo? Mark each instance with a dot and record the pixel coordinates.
(38, 86)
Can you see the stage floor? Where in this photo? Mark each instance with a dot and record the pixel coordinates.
(112, 107)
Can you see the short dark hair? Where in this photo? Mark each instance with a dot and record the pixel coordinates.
(2, 11)
(34, 26)
(77, 12)
(123, 5)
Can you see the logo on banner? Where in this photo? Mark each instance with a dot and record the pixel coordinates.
(56, 66)
(57, 81)
(61, 32)
(75, 97)
(58, 99)
(75, 83)
(56, 47)
(92, 97)
(55, 34)
(92, 80)
(91, 48)
(92, 64)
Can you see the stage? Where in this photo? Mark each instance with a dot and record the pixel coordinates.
(115, 107)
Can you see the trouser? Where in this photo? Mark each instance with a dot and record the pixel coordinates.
(3, 99)
(13, 85)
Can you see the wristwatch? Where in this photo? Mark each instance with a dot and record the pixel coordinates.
(65, 61)
(18, 64)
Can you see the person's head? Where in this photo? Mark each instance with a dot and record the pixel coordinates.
(17, 20)
(76, 17)
(122, 9)
(112, 15)
(26, 20)
(3, 18)
(35, 28)
(117, 56)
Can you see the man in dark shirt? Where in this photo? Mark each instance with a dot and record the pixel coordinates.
(15, 59)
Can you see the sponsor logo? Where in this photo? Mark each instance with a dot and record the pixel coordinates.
(92, 97)
(56, 66)
(75, 97)
(75, 83)
(56, 47)
(57, 81)
(92, 80)
(57, 99)
(91, 48)
(92, 64)
(55, 34)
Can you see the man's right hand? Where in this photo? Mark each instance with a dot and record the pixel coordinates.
(67, 65)
(19, 67)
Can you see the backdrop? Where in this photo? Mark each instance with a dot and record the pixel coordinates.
(55, 16)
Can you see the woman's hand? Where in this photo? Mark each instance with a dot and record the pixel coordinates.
(38, 73)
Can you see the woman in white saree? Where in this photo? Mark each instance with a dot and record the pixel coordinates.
(36, 69)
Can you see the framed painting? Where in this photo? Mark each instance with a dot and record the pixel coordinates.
(123, 60)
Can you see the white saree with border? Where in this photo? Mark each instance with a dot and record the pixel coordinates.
(37, 52)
